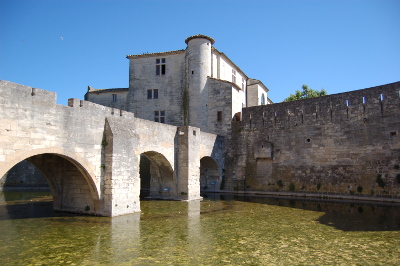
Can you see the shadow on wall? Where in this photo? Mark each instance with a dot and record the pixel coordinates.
(24, 176)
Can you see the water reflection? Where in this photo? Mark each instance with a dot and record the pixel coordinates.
(343, 215)
(220, 230)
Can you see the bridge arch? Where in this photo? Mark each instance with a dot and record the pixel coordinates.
(158, 178)
(71, 180)
(210, 174)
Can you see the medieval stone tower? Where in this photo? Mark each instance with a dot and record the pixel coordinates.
(197, 86)
(198, 69)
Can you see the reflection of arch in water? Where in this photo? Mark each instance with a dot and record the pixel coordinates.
(72, 183)
(210, 176)
(157, 176)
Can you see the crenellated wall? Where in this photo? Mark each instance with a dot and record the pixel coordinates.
(347, 143)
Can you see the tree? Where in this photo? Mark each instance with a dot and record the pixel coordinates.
(306, 93)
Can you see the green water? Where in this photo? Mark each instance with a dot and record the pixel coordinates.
(215, 231)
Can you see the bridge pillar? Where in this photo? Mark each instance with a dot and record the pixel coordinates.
(188, 163)
(121, 181)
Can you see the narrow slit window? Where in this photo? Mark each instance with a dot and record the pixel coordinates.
(219, 116)
(364, 100)
(381, 97)
(347, 102)
(114, 98)
(233, 76)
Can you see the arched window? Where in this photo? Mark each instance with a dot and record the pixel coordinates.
(262, 99)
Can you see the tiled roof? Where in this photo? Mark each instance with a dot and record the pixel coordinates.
(155, 54)
(90, 89)
(200, 36)
(225, 81)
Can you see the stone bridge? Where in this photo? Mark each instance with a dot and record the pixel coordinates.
(90, 154)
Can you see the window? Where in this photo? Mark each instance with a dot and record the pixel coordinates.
(114, 98)
(160, 66)
(243, 83)
(364, 100)
(262, 99)
(233, 76)
(152, 94)
(159, 116)
(219, 116)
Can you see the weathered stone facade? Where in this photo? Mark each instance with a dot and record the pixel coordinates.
(347, 143)
(198, 86)
(90, 154)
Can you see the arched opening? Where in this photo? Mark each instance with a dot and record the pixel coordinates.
(67, 181)
(209, 175)
(157, 178)
(23, 176)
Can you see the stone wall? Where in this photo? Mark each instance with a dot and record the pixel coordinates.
(347, 143)
(23, 176)
(90, 154)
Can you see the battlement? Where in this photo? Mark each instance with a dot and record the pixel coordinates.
(362, 105)
(24, 93)
(32, 98)
(86, 105)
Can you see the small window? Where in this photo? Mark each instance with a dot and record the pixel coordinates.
(347, 102)
(233, 76)
(262, 99)
(152, 94)
(114, 98)
(160, 66)
(364, 100)
(219, 116)
(393, 133)
(381, 97)
(243, 83)
(159, 116)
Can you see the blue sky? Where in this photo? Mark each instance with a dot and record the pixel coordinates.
(64, 46)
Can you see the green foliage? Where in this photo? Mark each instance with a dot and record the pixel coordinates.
(359, 189)
(87, 208)
(291, 187)
(380, 181)
(306, 93)
(280, 183)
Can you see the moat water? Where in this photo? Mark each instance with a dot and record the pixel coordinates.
(220, 230)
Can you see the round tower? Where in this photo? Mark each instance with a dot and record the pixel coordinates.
(198, 68)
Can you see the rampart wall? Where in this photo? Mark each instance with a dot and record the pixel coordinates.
(347, 143)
